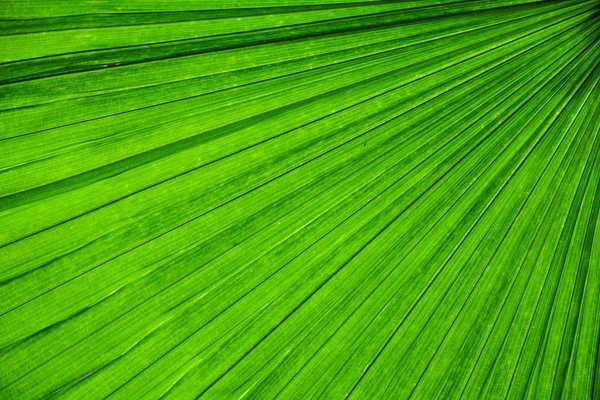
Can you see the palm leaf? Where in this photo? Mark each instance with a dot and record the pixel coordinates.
(299, 199)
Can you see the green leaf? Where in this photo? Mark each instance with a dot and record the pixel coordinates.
(299, 199)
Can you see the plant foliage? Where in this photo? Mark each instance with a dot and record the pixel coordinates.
(299, 199)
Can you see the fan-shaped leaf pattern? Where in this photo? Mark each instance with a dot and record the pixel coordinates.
(299, 199)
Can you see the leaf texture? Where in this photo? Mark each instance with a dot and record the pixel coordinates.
(299, 199)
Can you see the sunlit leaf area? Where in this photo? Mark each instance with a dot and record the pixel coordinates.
(299, 199)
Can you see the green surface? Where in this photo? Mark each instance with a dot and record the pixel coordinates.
(299, 199)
